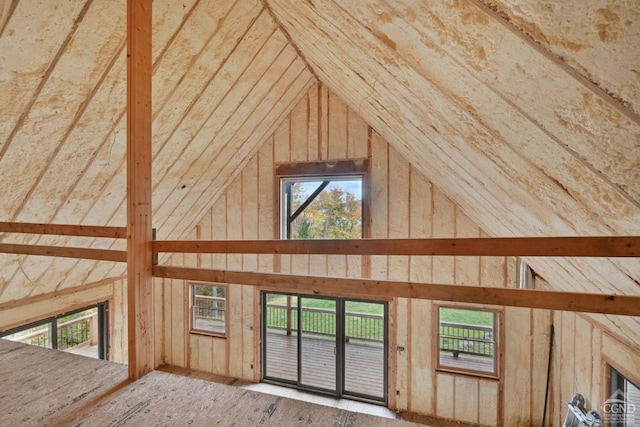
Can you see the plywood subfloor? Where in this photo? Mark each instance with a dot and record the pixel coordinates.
(49, 388)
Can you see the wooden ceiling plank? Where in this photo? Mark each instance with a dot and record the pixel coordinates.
(79, 148)
(360, 93)
(243, 141)
(195, 55)
(32, 60)
(487, 209)
(593, 129)
(265, 127)
(519, 170)
(216, 138)
(78, 207)
(560, 60)
(529, 140)
(7, 8)
(547, 300)
(73, 77)
(102, 209)
(221, 97)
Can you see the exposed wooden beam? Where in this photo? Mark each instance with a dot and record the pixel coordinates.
(139, 159)
(549, 300)
(508, 246)
(64, 252)
(64, 229)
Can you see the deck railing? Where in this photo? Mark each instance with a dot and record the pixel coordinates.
(461, 338)
(458, 338)
(76, 332)
(209, 308)
(321, 321)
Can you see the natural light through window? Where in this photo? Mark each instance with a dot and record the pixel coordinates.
(321, 207)
(467, 340)
(208, 309)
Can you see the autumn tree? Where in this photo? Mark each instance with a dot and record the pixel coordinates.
(335, 213)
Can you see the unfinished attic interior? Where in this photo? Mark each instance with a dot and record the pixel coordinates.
(431, 208)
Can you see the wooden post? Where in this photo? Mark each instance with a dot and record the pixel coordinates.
(139, 159)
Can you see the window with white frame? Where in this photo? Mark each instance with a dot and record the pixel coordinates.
(208, 309)
(322, 200)
(468, 340)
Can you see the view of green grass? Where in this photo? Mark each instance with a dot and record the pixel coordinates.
(319, 317)
(324, 322)
(447, 314)
(352, 306)
(469, 317)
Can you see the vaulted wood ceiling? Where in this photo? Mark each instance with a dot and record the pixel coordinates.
(526, 114)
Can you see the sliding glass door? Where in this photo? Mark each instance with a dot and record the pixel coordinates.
(318, 352)
(330, 345)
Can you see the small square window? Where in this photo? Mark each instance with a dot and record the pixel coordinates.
(208, 309)
(467, 340)
(322, 200)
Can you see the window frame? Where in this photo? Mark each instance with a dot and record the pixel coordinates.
(498, 341)
(54, 325)
(316, 170)
(616, 376)
(192, 327)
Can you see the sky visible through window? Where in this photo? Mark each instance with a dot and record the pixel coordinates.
(334, 212)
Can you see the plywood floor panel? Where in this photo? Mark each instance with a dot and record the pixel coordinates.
(80, 391)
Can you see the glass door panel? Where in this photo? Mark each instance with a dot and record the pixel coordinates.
(364, 349)
(318, 344)
(281, 337)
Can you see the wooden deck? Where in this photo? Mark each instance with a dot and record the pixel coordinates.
(364, 364)
(478, 364)
(43, 387)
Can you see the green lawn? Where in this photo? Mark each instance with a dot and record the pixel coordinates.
(351, 306)
(469, 317)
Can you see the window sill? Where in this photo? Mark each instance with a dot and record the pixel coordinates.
(474, 374)
(208, 334)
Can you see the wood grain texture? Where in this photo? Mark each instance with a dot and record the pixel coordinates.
(139, 160)
(608, 247)
(64, 229)
(99, 393)
(551, 300)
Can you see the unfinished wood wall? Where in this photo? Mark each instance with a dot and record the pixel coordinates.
(583, 353)
(114, 292)
(403, 204)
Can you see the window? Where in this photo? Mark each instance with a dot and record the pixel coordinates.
(622, 409)
(208, 309)
(467, 340)
(322, 200)
(81, 332)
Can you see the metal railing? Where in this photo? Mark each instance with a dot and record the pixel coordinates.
(461, 338)
(76, 332)
(322, 321)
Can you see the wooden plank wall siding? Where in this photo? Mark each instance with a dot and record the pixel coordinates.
(114, 292)
(403, 205)
(583, 352)
(224, 77)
